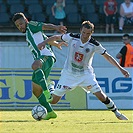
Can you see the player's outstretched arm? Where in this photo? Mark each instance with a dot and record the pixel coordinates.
(59, 28)
(115, 63)
(53, 42)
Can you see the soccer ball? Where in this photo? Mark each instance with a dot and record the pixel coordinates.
(38, 112)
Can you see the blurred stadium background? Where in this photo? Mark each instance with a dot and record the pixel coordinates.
(16, 60)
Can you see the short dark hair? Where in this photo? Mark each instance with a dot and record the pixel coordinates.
(18, 16)
(126, 35)
(88, 25)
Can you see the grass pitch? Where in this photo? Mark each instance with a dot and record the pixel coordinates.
(81, 121)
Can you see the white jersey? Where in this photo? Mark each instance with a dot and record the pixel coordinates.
(128, 9)
(80, 56)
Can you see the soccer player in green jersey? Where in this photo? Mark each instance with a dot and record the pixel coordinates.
(43, 59)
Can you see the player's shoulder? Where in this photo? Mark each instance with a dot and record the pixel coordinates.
(34, 23)
(74, 35)
(94, 41)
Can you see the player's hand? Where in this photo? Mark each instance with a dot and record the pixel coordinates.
(59, 46)
(41, 46)
(61, 29)
(125, 73)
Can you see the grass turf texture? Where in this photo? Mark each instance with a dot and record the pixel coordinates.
(72, 121)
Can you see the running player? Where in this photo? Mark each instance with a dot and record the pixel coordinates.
(43, 59)
(78, 70)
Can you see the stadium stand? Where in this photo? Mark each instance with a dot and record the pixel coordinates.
(16, 8)
(4, 18)
(34, 8)
(39, 17)
(3, 8)
(10, 2)
(74, 7)
(48, 2)
(69, 2)
(29, 2)
(84, 2)
(73, 19)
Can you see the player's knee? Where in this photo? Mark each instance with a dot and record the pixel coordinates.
(36, 64)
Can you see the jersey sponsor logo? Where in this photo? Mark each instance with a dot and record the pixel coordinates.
(78, 57)
(77, 66)
(66, 87)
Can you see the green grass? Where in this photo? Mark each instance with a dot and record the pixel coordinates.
(81, 121)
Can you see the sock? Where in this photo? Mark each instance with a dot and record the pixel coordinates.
(110, 104)
(40, 77)
(51, 85)
(43, 102)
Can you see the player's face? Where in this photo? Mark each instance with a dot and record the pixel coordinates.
(85, 34)
(21, 25)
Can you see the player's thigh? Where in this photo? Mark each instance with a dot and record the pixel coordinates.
(66, 83)
(36, 89)
(48, 62)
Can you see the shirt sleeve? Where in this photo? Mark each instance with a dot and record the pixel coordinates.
(35, 26)
(66, 37)
(100, 49)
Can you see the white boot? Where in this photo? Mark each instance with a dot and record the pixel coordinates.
(120, 116)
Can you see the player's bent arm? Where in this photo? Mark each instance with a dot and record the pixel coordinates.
(53, 42)
(57, 44)
(58, 28)
(115, 63)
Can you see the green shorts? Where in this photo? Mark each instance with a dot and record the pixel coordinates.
(47, 64)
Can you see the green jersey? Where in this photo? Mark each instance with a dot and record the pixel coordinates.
(34, 36)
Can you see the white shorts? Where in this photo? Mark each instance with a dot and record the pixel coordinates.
(68, 82)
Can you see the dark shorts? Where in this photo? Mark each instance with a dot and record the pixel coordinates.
(110, 19)
(48, 62)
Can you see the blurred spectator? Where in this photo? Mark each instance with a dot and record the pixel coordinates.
(58, 11)
(126, 14)
(126, 53)
(110, 10)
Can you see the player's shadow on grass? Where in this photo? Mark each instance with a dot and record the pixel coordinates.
(1, 121)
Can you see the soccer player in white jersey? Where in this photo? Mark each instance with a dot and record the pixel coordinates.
(43, 59)
(78, 69)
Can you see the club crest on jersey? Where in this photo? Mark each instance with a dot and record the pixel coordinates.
(87, 50)
(78, 57)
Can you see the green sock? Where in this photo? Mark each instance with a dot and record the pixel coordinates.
(43, 102)
(40, 77)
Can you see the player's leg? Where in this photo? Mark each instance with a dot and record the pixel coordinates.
(38, 92)
(63, 86)
(47, 66)
(40, 74)
(109, 104)
(94, 88)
